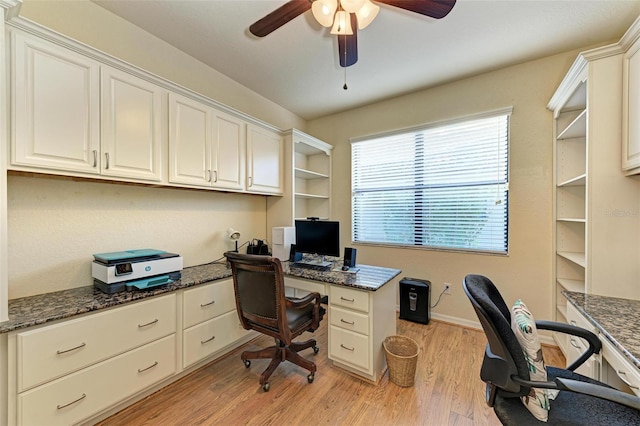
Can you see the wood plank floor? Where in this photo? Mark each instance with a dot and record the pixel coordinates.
(447, 390)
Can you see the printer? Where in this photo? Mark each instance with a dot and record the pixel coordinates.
(139, 269)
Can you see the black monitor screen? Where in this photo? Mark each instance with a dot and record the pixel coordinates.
(318, 237)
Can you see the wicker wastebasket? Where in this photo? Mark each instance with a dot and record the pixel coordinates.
(401, 353)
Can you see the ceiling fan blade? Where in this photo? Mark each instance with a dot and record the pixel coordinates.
(434, 8)
(279, 17)
(348, 45)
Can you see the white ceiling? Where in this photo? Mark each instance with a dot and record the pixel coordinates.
(297, 67)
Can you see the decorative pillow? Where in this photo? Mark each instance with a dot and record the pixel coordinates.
(524, 327)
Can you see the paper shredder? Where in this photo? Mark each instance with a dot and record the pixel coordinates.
(414, 300)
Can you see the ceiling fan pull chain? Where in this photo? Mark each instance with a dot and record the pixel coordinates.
(345, 87)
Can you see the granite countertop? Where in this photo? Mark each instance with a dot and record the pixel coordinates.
(42, 308)
(617, 319)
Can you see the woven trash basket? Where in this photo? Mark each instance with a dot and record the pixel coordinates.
(401, 353)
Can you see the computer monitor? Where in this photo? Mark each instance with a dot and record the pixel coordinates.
(318, 237)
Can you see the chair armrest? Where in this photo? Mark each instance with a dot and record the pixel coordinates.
(595, 345)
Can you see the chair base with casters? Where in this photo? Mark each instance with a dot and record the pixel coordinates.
(279, 353)
(262, 306)
(581, 400)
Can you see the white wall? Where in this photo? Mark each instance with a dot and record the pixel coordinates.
(56, 224)
(526, 272)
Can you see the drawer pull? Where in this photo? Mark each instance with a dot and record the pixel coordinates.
(208, 340)
(148, 324)
(622, 375)
(95, 158)
(106, 156)
(81, 345)
(573, 343)
(347, 322)
(204, 305)
(60, 407)
(347, 300)
(140, 370)
(349, 349)
(573, 323)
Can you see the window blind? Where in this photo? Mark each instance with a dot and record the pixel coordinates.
(443, 186)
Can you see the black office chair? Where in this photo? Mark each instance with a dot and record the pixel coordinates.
(258, 283)
(581, 401)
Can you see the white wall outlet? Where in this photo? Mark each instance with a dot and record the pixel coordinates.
(447, 288)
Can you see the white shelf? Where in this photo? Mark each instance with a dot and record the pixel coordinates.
(308, 174)
(580, 180)
(576, 129)
(572, 219)
(312, 196)
(571, 285)
(562, 310)
(575, 257)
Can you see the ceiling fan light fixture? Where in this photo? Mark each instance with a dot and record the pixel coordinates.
(366, 14)
(342, 24)
(352, 6)
(324, 10)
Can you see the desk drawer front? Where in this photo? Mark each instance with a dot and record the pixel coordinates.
(209, 301)
(349, 298)
(622, 367)
(349, 320)
(50, 352)
(349, 347)
(305, 286)
(204, 339)
(78, 396)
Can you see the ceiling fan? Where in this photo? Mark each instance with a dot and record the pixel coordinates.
(345, 17)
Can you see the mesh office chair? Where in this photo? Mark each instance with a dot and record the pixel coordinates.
(258, 283)
(581, 401)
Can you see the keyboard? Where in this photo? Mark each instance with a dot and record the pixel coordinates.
(312, 266)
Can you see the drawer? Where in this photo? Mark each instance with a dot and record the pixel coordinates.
(575, 348)
(626, 371)
(204, 339)
(306, 286)
(349, 347)
(50, 352)
(349, 320)
(206, 302)
(574, 317)
(82, 394)
(349, 298)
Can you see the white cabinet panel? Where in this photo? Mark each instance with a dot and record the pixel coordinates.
(349, 298)
(631, 110)
(77, 396)
(265, 162)
(211, 336)
(349, 347)
(208, 301)
(349, 320)
(229, 151)
(131, 126)
(56, 123)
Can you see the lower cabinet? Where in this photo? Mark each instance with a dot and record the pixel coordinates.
(577, 346)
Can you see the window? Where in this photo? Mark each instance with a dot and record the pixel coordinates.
(442, 186)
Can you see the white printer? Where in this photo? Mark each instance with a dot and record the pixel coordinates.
(135, 269)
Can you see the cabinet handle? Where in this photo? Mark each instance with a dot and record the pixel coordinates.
(60, 407)
(573, 323)
(573, 343)
(349, 349)
(95, 158)
(106, 157)
(250, 181)
(208, 340)
(204, 305)
(81, 345)
(208, 175)
(148, 324)
(347, 300)
(622, 375)
(215, 175)
(347, 322)
(140, 370)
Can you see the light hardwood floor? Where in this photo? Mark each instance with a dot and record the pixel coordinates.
(447, 390)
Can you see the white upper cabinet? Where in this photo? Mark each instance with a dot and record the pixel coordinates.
(206, 146)
(265, 153)
(631, 110)
(131, 126)
(55, 107)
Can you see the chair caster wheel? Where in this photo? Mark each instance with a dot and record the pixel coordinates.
(316, 349)
(310, 378)
(265, 387)
(247, 363)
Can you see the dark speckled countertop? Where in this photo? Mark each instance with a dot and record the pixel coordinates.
(617, 319)
(42, 308)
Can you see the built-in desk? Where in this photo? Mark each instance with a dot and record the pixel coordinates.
(617, 322)
(64, 352)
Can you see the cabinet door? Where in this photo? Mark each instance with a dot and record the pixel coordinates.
(189, 141)
(631, 110)
(229, 142)
(265, 161)
(56, 107)
(131, 126)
